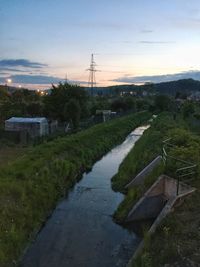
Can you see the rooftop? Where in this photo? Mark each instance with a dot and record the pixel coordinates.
(27, 120)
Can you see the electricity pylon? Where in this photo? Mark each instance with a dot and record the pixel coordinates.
(92, 79)
(66, 79)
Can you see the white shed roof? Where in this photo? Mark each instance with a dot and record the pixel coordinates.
(27, 120)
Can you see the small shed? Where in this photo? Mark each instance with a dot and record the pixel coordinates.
(104, 115)
(33, 126)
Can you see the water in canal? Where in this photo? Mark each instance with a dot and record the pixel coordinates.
(81, 231)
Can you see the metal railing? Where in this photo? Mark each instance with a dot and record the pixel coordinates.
(186, 171)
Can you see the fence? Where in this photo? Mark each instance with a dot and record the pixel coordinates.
(186, 171)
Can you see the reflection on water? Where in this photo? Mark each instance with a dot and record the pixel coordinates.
(139, 131)
(81, 231)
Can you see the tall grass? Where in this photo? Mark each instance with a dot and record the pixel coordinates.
(145, 150)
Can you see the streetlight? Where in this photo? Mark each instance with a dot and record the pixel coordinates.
(9, 81)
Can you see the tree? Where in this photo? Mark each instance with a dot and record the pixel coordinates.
(34, 109)
(149, 87)
(188, 109)
(119, 105)
(130, 103)
(60, 95)
(142, 104)
(99, 103)
(4, 95)
(162, 102)
(72, 111)
(24, 95)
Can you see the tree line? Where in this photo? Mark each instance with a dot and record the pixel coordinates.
(72, 103)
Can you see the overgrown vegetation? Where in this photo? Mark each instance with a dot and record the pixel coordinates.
(67, 102)
(31, 185)
(134, 194)
(144, 151)
(177, 241)
(19, 103)
(64, 102)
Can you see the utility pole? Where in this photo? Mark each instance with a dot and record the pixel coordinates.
(92, 79)
(66, 80)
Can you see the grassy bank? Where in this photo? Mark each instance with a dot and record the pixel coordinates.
(31, 186)
(177, 240)
(11, 152)
(145, 150)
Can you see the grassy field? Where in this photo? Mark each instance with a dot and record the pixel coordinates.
(10, 153)
(177, 240)
(31, 185)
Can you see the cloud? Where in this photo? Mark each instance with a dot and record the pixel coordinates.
(127, 42)
(37, 79)
(156, 42)
(11, 66)
(187, 23)
(160, 78)
(103, 25)
(3, 73)
(33, 79)
(10, 63)
(146, 31)
(11, 69)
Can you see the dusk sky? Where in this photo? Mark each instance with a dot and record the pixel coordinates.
(133, 41)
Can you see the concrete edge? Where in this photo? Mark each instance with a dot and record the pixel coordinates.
(145, 194)
(140, 177)
(165, 211)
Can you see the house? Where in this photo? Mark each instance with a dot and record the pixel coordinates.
(195, 96)
(33, 127)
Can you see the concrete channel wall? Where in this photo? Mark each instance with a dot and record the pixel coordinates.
(139, 179)
(156, 203)
(154, 200)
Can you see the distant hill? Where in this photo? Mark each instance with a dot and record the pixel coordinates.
(185, 86)
(115, 89)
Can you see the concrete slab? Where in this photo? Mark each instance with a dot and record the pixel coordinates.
(140, 177)
(163, 191)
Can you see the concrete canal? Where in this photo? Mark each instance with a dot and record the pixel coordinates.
(81, 231)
